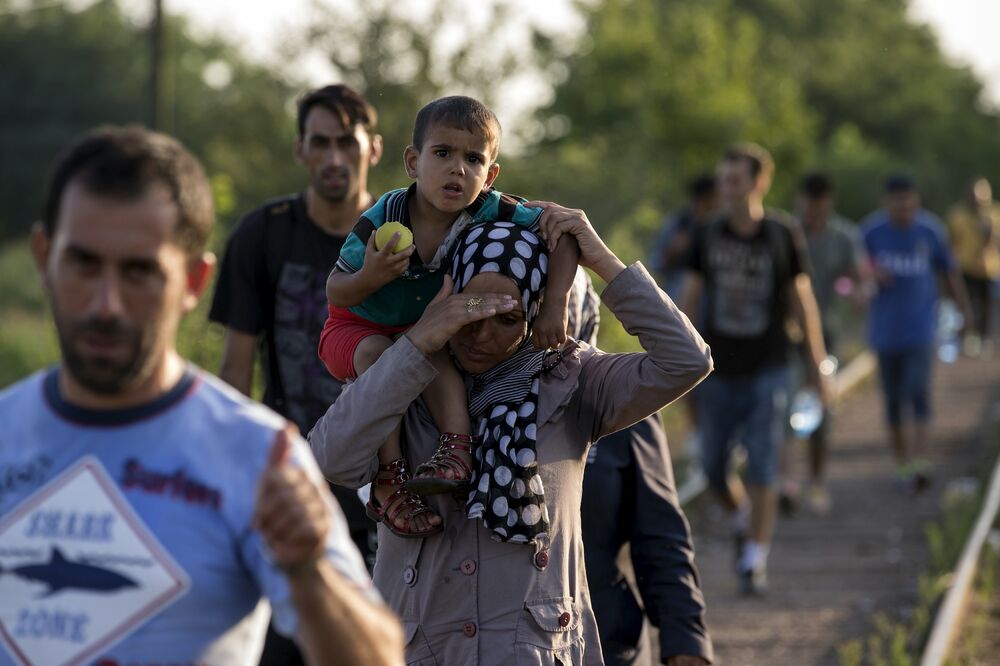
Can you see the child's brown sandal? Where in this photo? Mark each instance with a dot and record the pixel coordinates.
(444, 460)
(402, 501)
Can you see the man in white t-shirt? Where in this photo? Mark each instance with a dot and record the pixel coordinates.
(152, 509)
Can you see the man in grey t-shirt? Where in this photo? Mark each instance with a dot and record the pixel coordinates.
(834, 247)
(838, 269)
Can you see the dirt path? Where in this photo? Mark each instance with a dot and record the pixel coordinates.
(830, 575)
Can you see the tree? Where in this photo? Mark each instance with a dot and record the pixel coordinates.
(65, 72)
(402, 56)
(651, 97)
(873, 74)
(655, 90)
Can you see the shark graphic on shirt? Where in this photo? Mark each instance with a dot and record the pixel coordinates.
(60, 573)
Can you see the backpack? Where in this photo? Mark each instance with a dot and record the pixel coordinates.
(277, 245)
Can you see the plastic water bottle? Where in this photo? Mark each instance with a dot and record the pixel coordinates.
(807, 412)
(949, 323)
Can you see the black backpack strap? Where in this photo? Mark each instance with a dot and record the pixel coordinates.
(277, 239)
(277, 245)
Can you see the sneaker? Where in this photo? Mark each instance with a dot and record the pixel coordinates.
(788, 504)
(972, 345)
(912, 482)
(739, 543)
(789, 497)
(753, 582)
(818, 501)
(903, 478)
(921, 474)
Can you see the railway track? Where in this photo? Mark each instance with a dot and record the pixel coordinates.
(832, 576)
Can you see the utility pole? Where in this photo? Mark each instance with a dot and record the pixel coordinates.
(155, 63)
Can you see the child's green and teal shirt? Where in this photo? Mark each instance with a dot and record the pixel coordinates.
(402, 301)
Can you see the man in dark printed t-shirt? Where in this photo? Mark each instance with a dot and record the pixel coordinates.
(751, 267)
(271, 293)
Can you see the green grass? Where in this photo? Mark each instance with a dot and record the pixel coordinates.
(20, 288)
(27, 343)
(969, 649)
(27, 338)
(200, 341)
(900, 643)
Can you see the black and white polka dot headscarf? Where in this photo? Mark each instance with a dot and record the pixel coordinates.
(584, 309)
(507, 492)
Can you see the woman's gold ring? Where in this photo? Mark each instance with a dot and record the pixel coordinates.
(473, 303)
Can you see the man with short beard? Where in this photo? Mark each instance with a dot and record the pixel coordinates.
(153, 507)
(271, 292)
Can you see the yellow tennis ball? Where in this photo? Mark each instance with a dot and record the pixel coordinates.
(384, 234)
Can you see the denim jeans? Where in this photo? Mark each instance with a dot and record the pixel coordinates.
(906, 380)
(752, 408)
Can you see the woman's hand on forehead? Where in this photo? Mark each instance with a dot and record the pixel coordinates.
(448, 313)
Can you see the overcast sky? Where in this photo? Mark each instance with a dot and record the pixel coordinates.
(967, 28)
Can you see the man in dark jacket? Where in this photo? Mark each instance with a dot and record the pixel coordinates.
(629, 497)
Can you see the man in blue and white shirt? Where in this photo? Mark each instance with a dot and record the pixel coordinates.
(909, 251)
(150, 508)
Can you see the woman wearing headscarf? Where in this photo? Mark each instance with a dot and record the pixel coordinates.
(504, 582)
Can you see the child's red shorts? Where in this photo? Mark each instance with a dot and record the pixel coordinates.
(342, 333)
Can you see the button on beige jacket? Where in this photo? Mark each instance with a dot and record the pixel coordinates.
(464, 598)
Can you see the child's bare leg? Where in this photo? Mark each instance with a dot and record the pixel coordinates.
(448, 403)
(391, 450)
(447, 398)
(368, 351)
